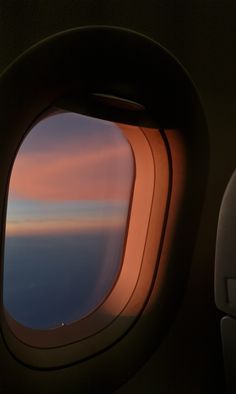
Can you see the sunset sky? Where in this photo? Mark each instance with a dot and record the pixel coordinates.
(68, 204)
(72, 173)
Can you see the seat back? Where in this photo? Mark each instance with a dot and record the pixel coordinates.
(225, 279)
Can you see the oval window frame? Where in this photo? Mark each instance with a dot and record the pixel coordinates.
(169, 115)
(139, 276)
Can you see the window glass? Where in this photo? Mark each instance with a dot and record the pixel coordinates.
(68, 205)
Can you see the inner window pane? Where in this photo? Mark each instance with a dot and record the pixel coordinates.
(68, 205)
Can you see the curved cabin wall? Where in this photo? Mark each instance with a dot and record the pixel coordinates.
(184, 22)
(61, 72)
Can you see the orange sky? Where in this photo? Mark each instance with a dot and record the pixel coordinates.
(76, 164)
(57, 227)
(66, 176)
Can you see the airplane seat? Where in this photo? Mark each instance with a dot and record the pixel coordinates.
(225, 280)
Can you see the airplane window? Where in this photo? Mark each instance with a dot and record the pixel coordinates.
(67, 214)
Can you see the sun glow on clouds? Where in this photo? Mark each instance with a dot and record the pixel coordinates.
(72, 173)
(29, 217)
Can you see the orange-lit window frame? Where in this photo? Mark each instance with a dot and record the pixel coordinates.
(148, 213)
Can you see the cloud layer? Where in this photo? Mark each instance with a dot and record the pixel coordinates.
(65, 162)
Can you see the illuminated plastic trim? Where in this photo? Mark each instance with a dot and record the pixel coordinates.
(125, 302)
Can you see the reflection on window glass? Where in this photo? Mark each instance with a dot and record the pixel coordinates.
(68, 204)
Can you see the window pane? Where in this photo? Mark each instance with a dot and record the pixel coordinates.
(67, 213)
